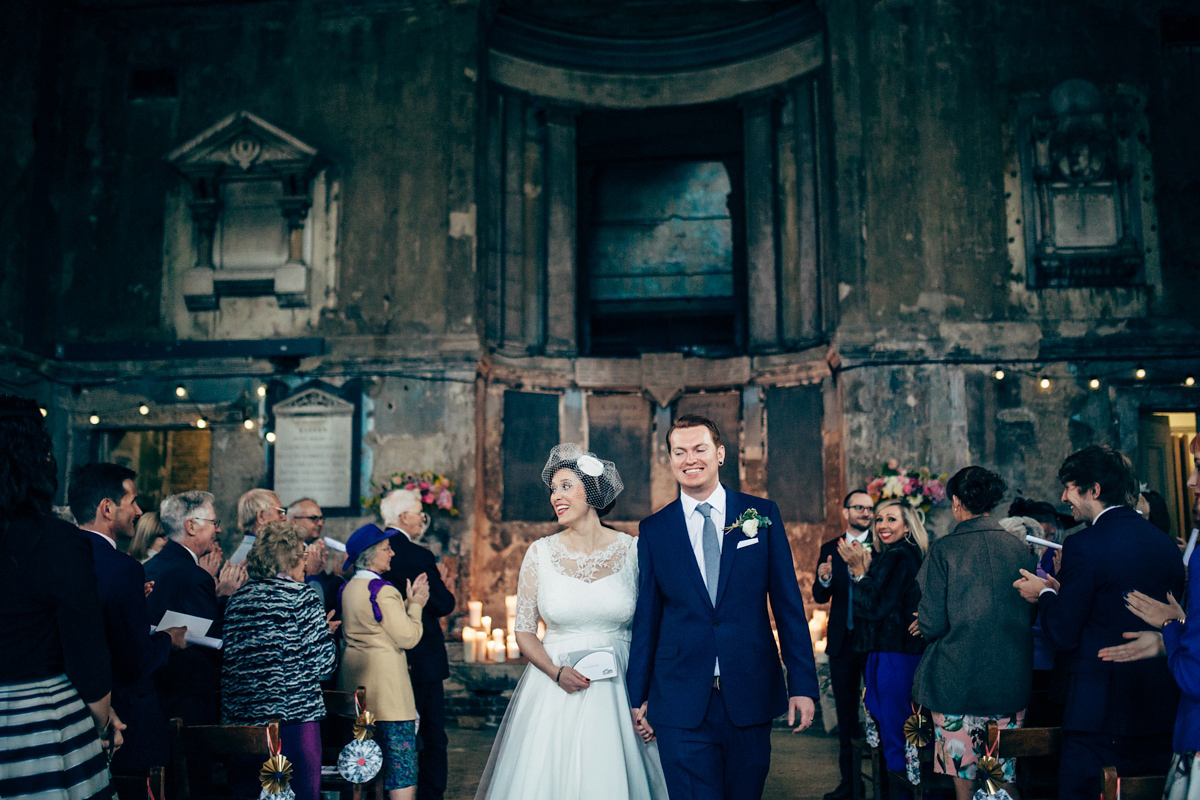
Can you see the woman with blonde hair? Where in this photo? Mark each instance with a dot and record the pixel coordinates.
(885, 599)
(148, 537)
(278, 642)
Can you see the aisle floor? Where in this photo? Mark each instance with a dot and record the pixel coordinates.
(803, 765)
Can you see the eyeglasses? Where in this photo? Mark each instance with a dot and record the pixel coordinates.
(280, 511)
(314, 518)
(216, 522)
(861, 508)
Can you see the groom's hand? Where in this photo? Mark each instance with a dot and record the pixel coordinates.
(806, 709)
(641, 724)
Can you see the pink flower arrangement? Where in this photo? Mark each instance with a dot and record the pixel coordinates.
(437, 491)
(919, 487)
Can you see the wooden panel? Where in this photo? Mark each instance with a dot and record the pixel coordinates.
(530, 432)
(795, 461)
(619, 430)
(725, 409)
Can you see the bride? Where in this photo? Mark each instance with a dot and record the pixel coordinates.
(563, 736)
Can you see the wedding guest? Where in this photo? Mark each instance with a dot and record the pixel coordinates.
(846, 663)
(967, 607)
(886, 596)
(378, 626)
(54, 663)
(104, 497)
(1114, 716)
(307, 515)
(188, 684)
(405, 523)
(255, 508)
(278, 640)
(1153, 508)
(148, 537)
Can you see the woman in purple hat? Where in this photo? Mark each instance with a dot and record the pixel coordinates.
(378, 626)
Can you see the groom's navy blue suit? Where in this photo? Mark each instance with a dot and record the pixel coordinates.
(678, 636)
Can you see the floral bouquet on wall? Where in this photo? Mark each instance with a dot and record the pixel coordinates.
(919, 487)
(437, 492)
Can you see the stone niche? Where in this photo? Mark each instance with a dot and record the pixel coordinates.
(251, 185)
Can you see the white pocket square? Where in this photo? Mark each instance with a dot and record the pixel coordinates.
(747, 543)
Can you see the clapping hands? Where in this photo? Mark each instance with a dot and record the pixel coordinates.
(417, 591)
(231, 578)
(857, 559)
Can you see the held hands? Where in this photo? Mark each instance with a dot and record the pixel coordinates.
(417, 591)
(1030, 586)
(641, 724)
(825, 570)
(1144, 644)
(806, 709)
(231, 578)
(333, 624)
(857, 559)
(1154, 612)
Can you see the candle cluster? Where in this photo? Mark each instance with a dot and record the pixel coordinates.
(483, 644)
(816, 629)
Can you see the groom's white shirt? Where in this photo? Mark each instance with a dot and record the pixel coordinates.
(695, 528)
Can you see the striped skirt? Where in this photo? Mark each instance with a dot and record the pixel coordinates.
(49, 749)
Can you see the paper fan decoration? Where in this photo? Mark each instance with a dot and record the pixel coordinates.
(360, 761)
(275, 775)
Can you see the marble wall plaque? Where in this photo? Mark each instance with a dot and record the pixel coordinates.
(314, 448)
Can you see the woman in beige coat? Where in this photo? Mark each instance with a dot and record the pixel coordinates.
(378, 626)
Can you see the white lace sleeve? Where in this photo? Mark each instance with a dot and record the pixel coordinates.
(631, 559)
(527, 607)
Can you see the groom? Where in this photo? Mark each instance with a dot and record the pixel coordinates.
(704, 673)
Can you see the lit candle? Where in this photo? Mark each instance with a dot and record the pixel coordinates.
(485, 624)
(498, 636)
(469, 654)
(498, 652)
(513, 650)
(485, 649)
(510, 610)
(474, 613)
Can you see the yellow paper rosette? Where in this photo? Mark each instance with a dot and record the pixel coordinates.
(364, 726)
(276, 774)
(918, 731)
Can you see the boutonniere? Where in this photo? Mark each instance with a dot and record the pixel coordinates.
(749, 522)
(866, 544)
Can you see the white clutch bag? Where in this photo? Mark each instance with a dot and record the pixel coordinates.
(595, 665)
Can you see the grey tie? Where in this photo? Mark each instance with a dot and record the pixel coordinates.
(712, 552)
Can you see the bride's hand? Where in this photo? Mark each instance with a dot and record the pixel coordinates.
(571, 681)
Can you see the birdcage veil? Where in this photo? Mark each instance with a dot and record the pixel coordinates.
(600, 478)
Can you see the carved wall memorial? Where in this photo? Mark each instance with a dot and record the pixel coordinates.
(314, 449)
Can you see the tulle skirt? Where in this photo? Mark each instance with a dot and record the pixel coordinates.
(557, 746)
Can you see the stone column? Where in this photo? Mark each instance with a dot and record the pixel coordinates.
(762, 297)
(561, 272)
(291, 280)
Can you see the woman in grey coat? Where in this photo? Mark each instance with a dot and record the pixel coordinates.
(979, 660)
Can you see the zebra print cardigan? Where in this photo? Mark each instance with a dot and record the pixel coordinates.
(277, 646)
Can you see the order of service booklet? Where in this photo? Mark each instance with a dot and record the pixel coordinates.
(599, 664)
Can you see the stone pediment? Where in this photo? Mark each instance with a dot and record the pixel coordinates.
(313, 402)
(244, 144)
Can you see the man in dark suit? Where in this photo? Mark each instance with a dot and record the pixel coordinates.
(428, 666)
(104, 500)
(1117, 714)
(704, 670)
(189, 683)
(307, 515)
(833, 586)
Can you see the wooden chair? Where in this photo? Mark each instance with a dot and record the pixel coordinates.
(142, 786)
(213, 741)
(341, 708)
(1117, 788)
(1025, 743)
(864, 752)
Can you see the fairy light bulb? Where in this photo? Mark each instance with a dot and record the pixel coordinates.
(1044, 383)
(248, 424)
(43, 410)
(1140, 373)
(998, 374)
(201, 422)
(1094, 383)
(143, 409)
(271, 437)
(1189, 381)
(94, 419)
(262, 390)
(181, 391)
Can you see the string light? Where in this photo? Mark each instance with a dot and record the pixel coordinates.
(998, 374)
(201, 422)
(1094, 383)
(181, 391)
(1140, 372)
(1044, 383)
(1189, 381)
(43, 410)
(94, 419)
(248, 424)
(262, 390)
(271, 437)
(143, 409)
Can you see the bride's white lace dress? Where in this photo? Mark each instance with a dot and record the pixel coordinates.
(560, 746)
